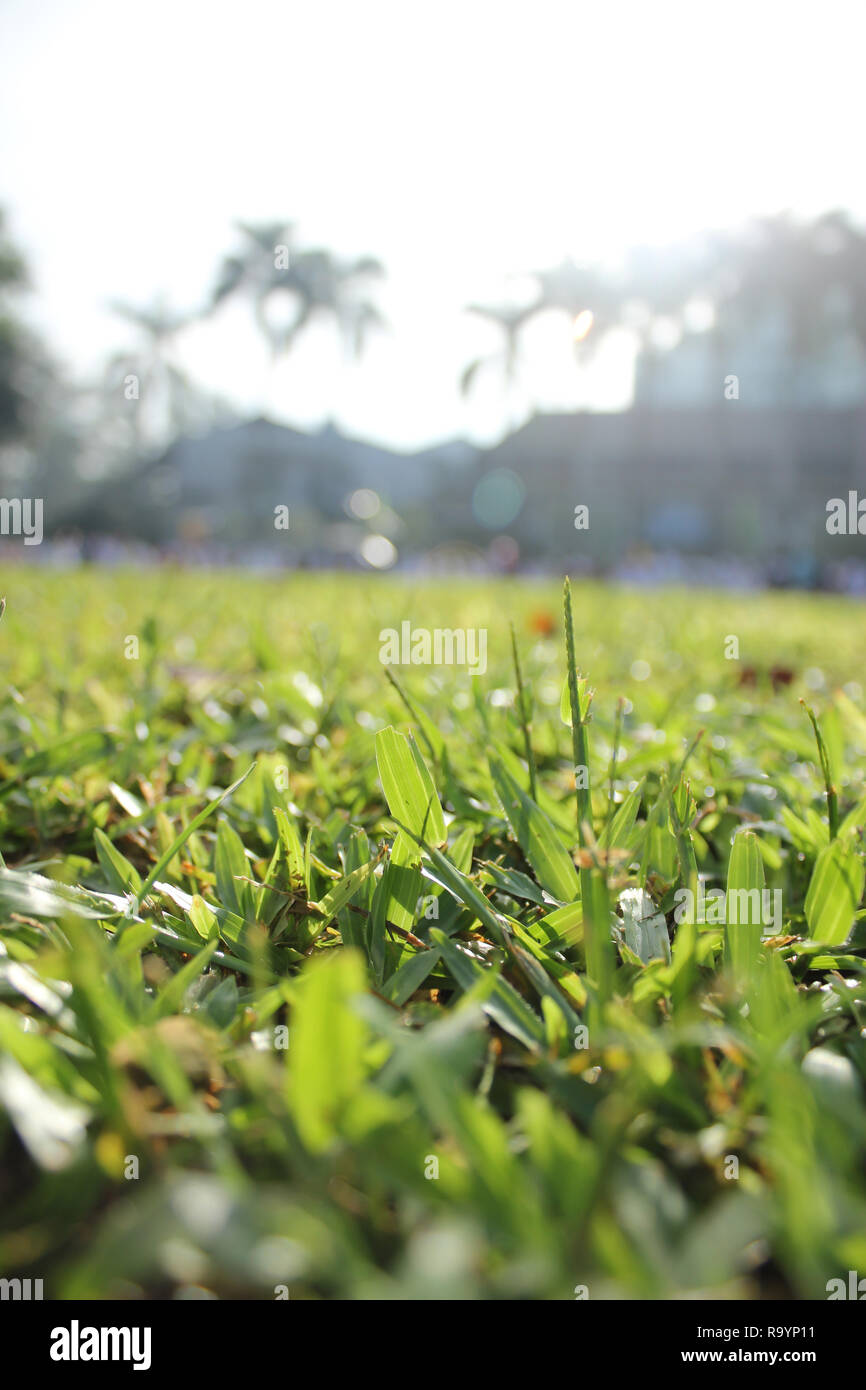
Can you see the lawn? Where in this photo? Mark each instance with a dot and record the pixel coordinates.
(316, 983)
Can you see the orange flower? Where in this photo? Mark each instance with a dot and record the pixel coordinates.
(542, 623)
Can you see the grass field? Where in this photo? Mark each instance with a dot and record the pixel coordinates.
(380, 1022)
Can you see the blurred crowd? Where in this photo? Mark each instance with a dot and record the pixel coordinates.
(640, 568)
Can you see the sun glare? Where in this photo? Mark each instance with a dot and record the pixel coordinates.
(582, 324)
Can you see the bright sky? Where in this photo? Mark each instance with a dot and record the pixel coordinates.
(458, 141)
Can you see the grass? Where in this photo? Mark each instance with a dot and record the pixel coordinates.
(320, 984)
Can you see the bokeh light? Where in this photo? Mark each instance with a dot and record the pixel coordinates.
(498, 499)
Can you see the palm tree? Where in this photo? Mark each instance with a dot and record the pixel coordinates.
(579, 290)
(269, 267)
(584, 294)
(508, 319)
(163, 402)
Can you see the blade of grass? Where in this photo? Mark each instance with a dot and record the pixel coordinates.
(593, 895)
(184, 835)
(524, 717)
(832, 800)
